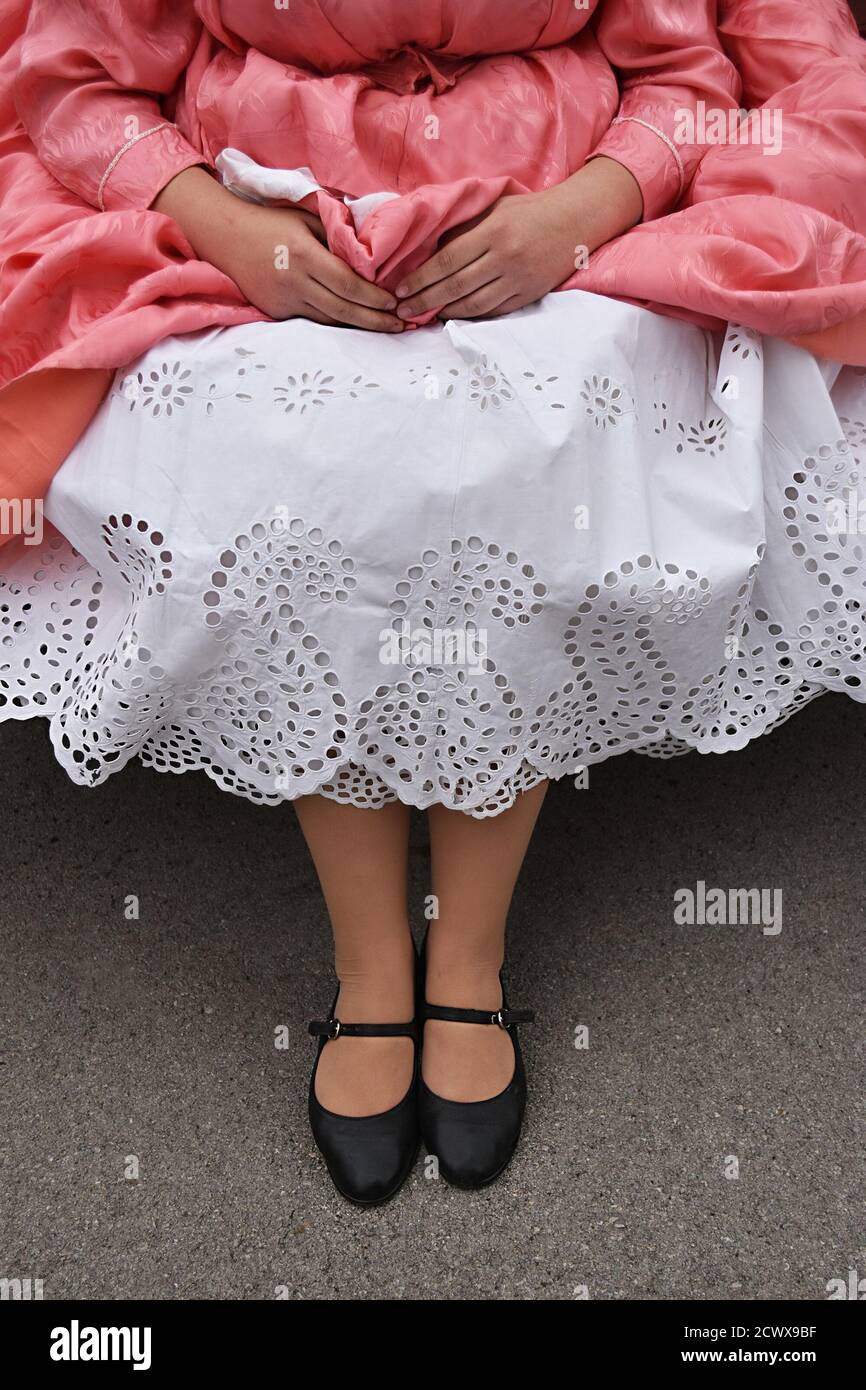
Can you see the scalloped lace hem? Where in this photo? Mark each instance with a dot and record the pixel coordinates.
(370, 786)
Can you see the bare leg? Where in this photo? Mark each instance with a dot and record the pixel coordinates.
(475, 864)
(361, 857)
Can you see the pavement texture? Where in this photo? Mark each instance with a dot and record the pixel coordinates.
(712, 1049)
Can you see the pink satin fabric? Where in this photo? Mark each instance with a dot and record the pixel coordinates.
(42, 416)
(448, 104)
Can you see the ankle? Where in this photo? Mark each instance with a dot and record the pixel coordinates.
(462, 984)
(380, 989)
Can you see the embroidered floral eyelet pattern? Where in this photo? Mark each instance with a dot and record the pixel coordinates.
(258, 574)
(162, 391)
(542, 386)
(489, 387)
(444, 733)
(827, 479)
(605, 401)
(140, 553)
(744, 343)
(479, 580)
(660, 413)
(270, 719)
(855, 432)
(435, 383)
(706, 437)
(309, 390)
(575, 647)
(304, 391)
(53, 620)
(241, 387)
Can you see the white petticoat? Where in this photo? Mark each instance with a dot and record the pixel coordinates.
(443, 565)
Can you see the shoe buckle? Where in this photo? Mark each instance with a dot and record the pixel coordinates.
(337, 1029)
(498, 1019)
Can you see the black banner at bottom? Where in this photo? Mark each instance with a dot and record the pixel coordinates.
(59, 1339)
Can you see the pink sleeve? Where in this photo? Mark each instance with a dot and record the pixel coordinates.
(670, 64)
(88, 93)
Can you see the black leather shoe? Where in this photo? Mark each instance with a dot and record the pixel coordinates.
(369, 1157)
(474, 1140)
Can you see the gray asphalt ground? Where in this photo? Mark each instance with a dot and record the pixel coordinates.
(155, 1039)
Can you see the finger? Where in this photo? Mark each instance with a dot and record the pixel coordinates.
(510, 306)
(471, 280)
(344, 282)
(481, 303)
(319, 232)
(461, 228)
(313, 221)
(308, 311)
(345, 312)
(448, 260)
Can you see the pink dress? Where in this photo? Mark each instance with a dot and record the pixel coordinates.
(446, 565)
(100, 103)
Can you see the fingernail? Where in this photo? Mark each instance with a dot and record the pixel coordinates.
(390, 303)
(401, 290)
(404, 311)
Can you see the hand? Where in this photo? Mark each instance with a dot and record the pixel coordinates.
(525, 246)
(276, 256)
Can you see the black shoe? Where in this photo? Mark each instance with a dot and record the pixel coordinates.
(474, 1140)
(369, 1157)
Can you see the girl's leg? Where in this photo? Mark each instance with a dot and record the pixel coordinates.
(475, 864)
(361, 857)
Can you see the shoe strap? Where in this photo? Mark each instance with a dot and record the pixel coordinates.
(333, 1028)
(503, 1017)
